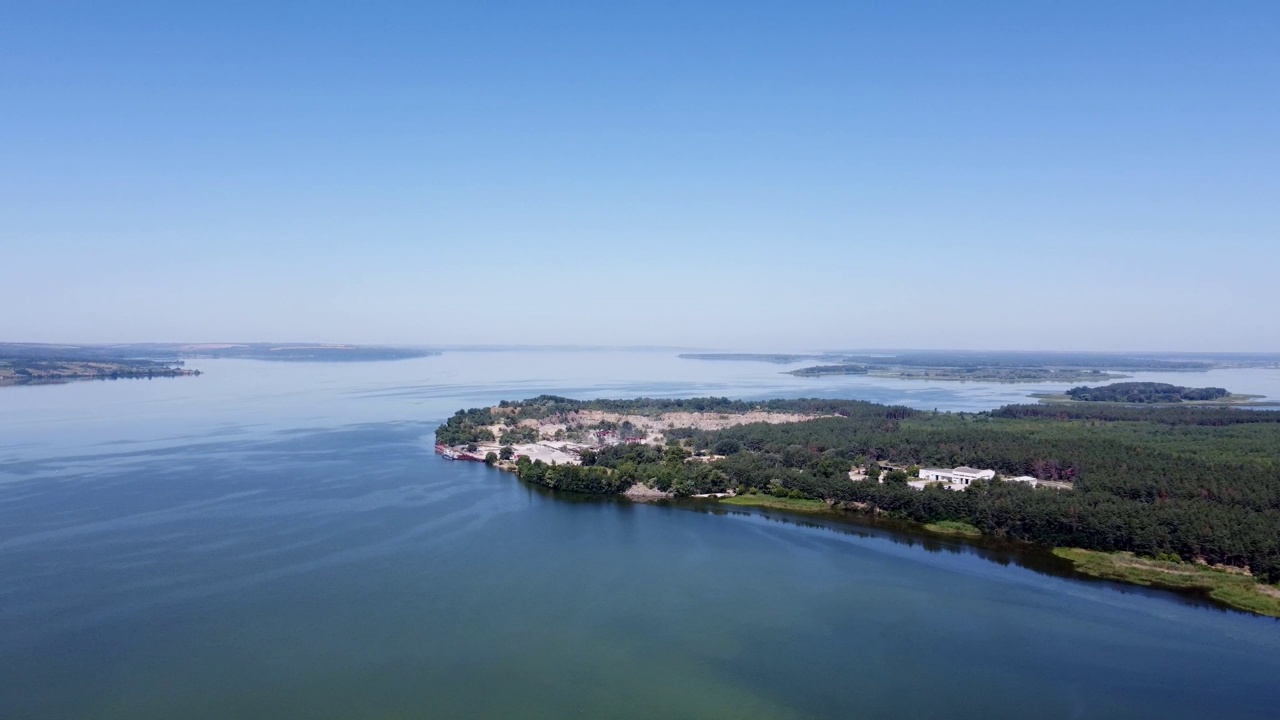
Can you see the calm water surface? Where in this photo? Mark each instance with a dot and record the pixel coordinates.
(279, 541)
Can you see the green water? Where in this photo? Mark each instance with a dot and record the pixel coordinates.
(260, 543)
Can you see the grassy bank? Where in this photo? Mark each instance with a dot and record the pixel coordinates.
(769, 501)
(1235, 589)
(953, 527)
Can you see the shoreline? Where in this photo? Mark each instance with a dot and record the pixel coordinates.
(1229, 588)
(793, 455)
(14, 380)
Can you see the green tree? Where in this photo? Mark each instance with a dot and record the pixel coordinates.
(728, 446)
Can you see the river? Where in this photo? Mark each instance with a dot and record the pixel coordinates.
(278, 540)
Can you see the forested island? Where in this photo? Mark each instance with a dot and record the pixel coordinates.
(1181, 488)
(1146, 392)
(1150, 393)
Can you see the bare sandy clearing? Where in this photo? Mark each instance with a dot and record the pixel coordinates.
(700, 421)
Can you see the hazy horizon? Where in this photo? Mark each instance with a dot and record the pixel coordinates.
(751, 176)
(749, 350)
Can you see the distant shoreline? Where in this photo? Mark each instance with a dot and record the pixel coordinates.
(58, 372)
(46, 364)
(979, 366)
(983, 374)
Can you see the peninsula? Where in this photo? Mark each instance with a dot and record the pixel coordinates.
(1191, 493)
(23, 371)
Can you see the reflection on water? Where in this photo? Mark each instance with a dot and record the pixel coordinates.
(272, 540)
(1001, 552)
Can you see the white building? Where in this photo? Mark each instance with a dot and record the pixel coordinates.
(962, 477)
(957, 477)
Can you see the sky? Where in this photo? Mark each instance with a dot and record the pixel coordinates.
(739, 175)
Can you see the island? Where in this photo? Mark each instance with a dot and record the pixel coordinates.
(1178, 496)
(1150, 393)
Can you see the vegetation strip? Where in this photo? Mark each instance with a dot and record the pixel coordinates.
(778, 503)
(953, 527)
(1230, 587)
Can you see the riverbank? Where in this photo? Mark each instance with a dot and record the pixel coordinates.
(1231, 587)
(953, 527)
(811, 466)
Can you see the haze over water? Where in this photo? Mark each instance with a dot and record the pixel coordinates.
(279, 540)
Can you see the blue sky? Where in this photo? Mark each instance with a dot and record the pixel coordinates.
(1082, 175)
